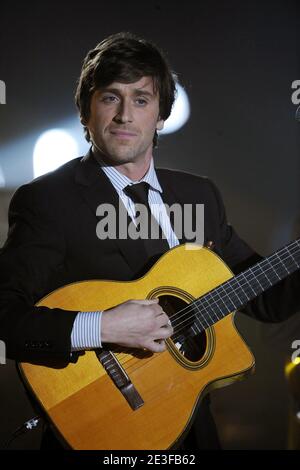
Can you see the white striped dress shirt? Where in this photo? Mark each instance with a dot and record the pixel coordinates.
(86, 332)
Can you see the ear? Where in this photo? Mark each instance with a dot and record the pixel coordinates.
(160, 124)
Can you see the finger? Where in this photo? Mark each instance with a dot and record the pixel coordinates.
(157, 346)
(163, 319)
(144, 301)
(158, 310)
(165, 332)
(170, 330)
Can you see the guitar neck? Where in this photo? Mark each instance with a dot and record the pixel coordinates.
(239, 290)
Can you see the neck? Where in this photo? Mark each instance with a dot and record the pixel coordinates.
(134, 170)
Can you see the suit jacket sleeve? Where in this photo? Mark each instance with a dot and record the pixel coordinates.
(30, 262)
(277, 303)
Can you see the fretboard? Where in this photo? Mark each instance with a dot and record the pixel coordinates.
(239, 290)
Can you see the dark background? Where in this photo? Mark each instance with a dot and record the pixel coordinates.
(237, 61)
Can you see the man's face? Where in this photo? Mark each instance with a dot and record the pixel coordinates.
(123, 119)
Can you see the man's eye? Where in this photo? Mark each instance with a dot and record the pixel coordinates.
(141, 101)
(109, 98)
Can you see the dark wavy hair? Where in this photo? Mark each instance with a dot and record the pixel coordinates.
(125, 58)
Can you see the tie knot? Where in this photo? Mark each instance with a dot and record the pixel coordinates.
(138, 192)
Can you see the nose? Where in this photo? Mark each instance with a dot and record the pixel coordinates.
(124, 112)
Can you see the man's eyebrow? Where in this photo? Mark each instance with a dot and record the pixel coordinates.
(140, 91)
(116, 91)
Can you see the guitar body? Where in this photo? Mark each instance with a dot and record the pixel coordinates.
(85, 405)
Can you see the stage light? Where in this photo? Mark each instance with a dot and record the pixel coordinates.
(52, 149)
(180, 112)
(2, 179)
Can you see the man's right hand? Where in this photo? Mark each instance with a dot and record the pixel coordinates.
(136, 324)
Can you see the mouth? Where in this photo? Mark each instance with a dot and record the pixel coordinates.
(123, 134)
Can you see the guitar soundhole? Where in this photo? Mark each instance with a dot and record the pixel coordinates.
(188, 340)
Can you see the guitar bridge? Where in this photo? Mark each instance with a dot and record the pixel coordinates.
(120, 378)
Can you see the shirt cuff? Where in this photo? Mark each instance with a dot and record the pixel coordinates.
(86, 332)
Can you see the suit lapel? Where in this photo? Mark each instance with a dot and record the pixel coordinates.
(170, 197)
(96, 189)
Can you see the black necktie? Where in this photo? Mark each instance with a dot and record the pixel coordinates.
(154, 247)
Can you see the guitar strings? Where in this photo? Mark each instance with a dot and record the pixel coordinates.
(186, 310)
(209, 300)
(216, 302)
(254, 276)
(240, 284)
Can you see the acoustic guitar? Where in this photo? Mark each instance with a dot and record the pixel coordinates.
(134, 399)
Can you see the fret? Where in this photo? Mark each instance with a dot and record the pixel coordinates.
(242, 275)
(232, 306)
(216, 304)
(256, 279)
(199, 311)
(210, 319)
(274, 270)
(232, 292)
(262, 274)
(283, 264)
(294, 259)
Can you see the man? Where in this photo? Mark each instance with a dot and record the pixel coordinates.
(124, 95)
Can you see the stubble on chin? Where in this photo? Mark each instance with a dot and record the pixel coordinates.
(124, 153)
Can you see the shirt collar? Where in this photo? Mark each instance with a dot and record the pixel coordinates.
(120, 181)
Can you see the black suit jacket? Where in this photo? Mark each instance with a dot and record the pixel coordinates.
(52, 241)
